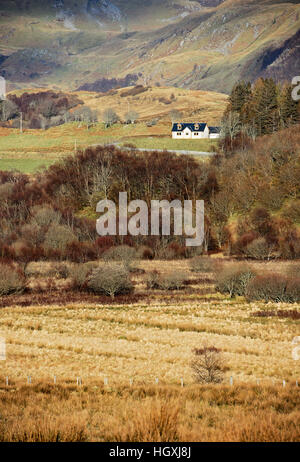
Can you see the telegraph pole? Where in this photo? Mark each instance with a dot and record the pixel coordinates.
(21, 122)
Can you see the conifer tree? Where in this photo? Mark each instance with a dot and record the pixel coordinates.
(289, 109)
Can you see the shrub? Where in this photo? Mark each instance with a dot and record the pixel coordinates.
(110, 279)
(201, 264)
(292, 211)
(146, 252)
(61, 270)
(79, 274)
(44, 216)
(172, 280)
(12, 280)
(153, 280)
(234, 279)
(124, 254)
(258, 249)
(289, 247)
(293, 290)
(58, 237)
(208, 365)
(274, 287)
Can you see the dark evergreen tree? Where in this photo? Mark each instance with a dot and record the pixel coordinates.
(289, 109)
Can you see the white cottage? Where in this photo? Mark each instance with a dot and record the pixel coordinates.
(190, 130)
(194, 130)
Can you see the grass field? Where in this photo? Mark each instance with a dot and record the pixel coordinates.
(32, 149)
(151, 338)
(131, 345)
(35, 148)
(139, 413)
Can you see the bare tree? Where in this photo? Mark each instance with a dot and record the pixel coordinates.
(231, 126)
(97, 178)
(110, 117)
(131, 117)
(8, 110)
(250, 130)
(110, 279)
(208, 365)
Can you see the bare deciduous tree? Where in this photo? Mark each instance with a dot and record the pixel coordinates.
(110, 117)
(208, 365)
(231, 126)
(110, 279)
(131, 117)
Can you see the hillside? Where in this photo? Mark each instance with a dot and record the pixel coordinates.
(100, 44)
(158, 102)
(34, 148)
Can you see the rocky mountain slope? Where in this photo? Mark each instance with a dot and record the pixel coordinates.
(203, 44)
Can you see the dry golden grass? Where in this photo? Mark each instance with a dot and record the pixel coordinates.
(150, 338)
(207, 106)
(133, 344)
(44, 412)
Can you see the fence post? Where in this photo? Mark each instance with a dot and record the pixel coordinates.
(106, 381)
(131, 382)
(156, 380)
(231, 380)
(6, 381)
(29, 379)
(55, 380)
(283, 383)
(296, 383)
(181, 381)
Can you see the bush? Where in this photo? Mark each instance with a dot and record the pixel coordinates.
(12, 280)
(172, 280)
(234, 279)
(110, 279)
(207, 365)
(79, 274)
(124, 254)
(61, 270)
(44, 216)
(274, 287)
(258, 249)
(200, 264)
(293, 290)
(292, 211)
(153, 280)
(58, 237)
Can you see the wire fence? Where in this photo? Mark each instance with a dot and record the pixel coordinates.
(78, 381)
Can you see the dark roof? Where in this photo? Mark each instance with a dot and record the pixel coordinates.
(190, 126)
(214, 129)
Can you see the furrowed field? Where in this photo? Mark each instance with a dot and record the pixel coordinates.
(131, 344)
